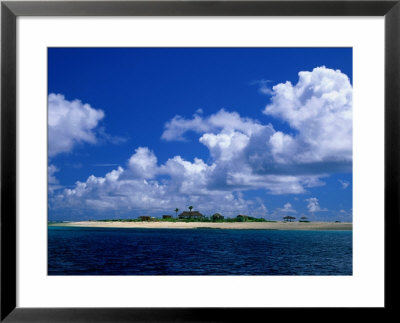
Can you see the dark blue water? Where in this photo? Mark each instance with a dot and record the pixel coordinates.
(112, 251)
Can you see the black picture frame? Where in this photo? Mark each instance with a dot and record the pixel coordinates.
(10, 10)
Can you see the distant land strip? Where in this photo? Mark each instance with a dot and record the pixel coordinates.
(217, 225)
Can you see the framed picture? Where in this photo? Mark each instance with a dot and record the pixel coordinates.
(128, 126)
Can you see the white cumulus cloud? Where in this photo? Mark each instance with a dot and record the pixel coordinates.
(319, 108)
(143, 163)
(287, 208)
(70, 123)
(313, 205)
(123, 192)
(222, 120)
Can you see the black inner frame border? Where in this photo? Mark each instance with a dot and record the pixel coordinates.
(10, 10)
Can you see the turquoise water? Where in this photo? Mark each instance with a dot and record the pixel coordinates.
(114, 251)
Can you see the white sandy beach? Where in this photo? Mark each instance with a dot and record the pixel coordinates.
(216, 225)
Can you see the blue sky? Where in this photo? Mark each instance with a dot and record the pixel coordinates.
(140, 131)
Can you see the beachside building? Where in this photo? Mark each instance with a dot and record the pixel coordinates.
(216, 217)
(167, 217)
(191, 215)
(144, 218)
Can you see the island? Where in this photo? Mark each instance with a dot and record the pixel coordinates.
(196, 220)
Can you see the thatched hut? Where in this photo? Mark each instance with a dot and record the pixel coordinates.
(288, 218)
(144, 218)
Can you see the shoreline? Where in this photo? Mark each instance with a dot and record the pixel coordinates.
(310, 226)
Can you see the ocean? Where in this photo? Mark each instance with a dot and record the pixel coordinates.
(129, 251)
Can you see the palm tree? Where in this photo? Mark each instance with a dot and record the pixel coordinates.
(190, 209)
(176, 211)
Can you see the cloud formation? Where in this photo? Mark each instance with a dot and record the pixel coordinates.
(70, 123)
(313, 205)
(229, 121)
(119, 190)
(319, 108)
(51, 170)
(245, 154)
(287, 208)
(345, 184)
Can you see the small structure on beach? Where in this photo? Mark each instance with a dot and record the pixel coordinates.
(144, 218)
(167, 217)
(216, 217)
(191, 215)
(289, 218)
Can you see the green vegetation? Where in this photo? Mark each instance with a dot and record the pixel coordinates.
(216, 217)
